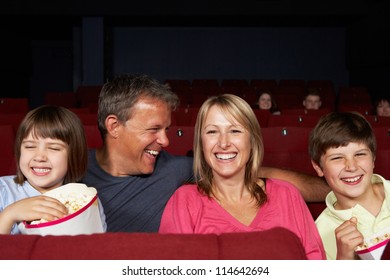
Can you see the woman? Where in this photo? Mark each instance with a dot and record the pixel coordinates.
(382, 106)
(229, 195)
(266, 102)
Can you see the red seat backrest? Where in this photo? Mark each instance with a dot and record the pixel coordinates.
(7, 157)
(92, 134)
(181, 139)
(14, 105)
(287, 147)
(294, 120)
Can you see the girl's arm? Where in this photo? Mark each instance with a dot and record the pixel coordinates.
(30, 209)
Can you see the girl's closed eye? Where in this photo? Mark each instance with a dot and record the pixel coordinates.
(28, 145)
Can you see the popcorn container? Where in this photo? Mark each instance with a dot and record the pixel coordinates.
(84, 216)
(374, 245)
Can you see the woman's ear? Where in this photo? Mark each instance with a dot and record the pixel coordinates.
(317, 168)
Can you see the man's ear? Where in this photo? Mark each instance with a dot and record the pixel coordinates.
(317, 168)
(112, 125)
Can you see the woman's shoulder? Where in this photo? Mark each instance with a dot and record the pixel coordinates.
(188, 194)
(188, 189)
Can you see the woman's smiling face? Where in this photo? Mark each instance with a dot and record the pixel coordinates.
(226, 144)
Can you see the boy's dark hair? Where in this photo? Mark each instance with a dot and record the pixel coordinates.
(338, 129)
(313, 91)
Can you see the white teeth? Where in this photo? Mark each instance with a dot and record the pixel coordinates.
(225, 156)
(152, 152)
(41, 170)
(352, 180)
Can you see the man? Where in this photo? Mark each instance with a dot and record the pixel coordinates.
(132, 173)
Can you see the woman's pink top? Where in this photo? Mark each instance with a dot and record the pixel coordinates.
(189, 211)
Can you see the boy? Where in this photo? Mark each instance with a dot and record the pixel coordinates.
(312, 100)
(342, 147)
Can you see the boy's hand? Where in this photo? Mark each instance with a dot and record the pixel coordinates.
(30, 209)
(347, 239)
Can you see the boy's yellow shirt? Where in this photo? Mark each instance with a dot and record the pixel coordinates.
(368, 224)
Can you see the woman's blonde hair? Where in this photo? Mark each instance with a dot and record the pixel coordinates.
(236, 110)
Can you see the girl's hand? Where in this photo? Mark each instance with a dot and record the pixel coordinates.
(30, 209)
(347, 239)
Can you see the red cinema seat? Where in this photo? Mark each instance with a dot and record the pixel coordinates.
(249, 95)
(301, 111)
(181, 139)
(286, 100)
(294, 120)
(7, 158)
(262, 117)
(88, 118)
(11, 119)
(92, 133)
(14, 105)
(382, 135)
(376, 121)
(287, 147)
(382, 164)
(184, 116)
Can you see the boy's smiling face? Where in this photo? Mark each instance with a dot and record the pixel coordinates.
(348, 171)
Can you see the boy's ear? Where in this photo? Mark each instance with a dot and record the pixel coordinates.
(317, 168)
(112, 124)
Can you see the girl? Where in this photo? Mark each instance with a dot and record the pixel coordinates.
(51, 150)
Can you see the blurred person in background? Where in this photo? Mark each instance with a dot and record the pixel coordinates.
(312, 100)
(267, 102)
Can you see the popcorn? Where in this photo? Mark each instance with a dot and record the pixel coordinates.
(373, 241)
(83, 213)
(73, 202)
(373, 246)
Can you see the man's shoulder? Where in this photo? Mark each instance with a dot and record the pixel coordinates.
(168, 159)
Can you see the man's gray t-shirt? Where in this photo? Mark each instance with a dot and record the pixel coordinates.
(136, 203)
